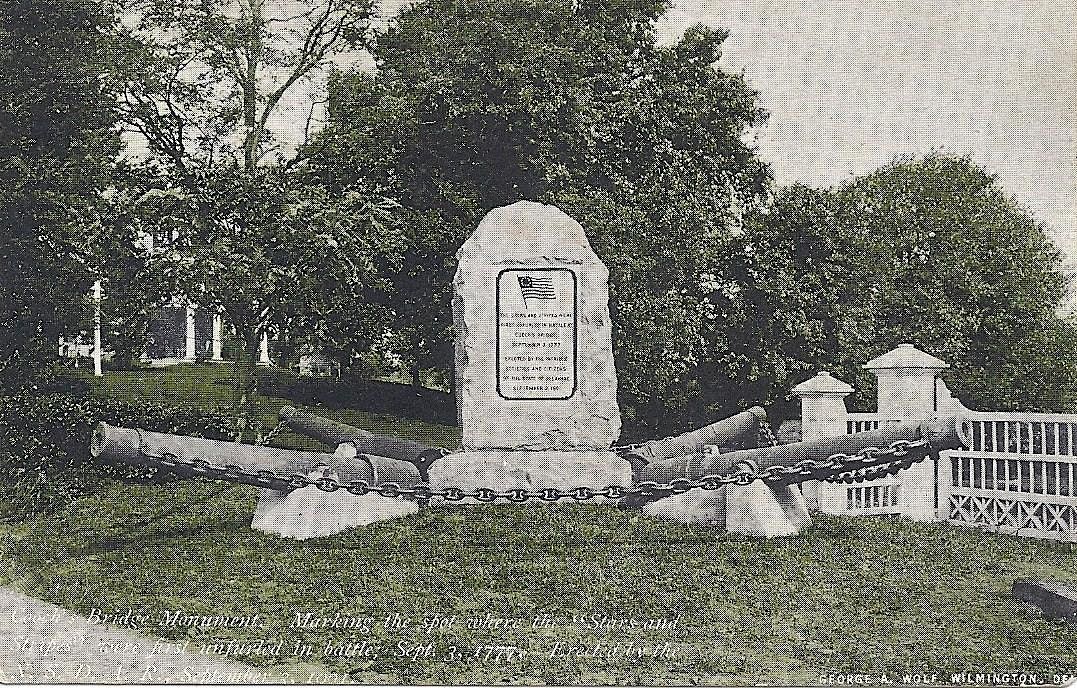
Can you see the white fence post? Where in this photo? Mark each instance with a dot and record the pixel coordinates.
(97, 328)
(907, 392)
(823, 414)
(189, 341)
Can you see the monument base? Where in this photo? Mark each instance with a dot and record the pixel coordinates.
(309, 512)
(694, 506)
(506, 469)
(761, 510)
(755, 509)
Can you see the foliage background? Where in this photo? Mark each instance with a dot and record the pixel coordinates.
(56, 145)
(726, 289)
(45, 439)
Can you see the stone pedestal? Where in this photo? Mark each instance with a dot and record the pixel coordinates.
(756, 509)
(695, 506)
(309, 512)
(502, 470)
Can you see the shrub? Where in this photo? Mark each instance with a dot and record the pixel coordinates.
(45, 438)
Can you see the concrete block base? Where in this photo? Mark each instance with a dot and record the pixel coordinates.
(761, 510)
(755, 509)
(530, 470)
(1055, 600)
(694, 506)
(309, 512)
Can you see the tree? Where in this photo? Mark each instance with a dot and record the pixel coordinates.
(967, 273)
(136, 282)
(56, 145)
(278, 257)
(477, 104)
(927, 250)
(790, 301)
(203, 82)
(203, 79)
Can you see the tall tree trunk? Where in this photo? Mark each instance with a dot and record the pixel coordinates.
(254, 52)
(245, 380)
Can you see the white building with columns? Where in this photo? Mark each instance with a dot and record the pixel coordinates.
(178, 332)
(183, 332)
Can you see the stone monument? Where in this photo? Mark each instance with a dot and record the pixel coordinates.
(537, 399)
(536, 387)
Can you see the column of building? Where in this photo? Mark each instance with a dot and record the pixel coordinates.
(217, 336)
(189, 340)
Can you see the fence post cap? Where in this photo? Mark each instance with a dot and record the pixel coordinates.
(823, 384)
(906, 356)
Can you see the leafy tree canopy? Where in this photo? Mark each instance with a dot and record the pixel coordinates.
(278, 257)
(203, 81)
(56, 144)
(927, 250)
(477, 104)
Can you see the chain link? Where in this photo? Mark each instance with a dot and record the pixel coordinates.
(867, 464)
(273, 433)
(768, 432)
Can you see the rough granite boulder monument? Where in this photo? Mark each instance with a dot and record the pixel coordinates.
(536, 387)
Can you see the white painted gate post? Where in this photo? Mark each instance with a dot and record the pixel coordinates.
(946, 404)
(823, 414)
(907, 393)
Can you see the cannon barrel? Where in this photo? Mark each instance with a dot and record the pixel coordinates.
(383, 469)
(177, 453)
(736, 432)
(942, 433)
(334, 433)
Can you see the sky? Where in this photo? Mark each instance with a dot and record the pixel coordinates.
(850, 85)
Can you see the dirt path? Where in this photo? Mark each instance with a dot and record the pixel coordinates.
(43, 643)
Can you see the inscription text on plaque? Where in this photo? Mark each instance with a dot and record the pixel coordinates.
(536, 333)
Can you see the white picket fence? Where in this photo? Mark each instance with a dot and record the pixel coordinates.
(862, 422)
(869, 498)
(1019, 476)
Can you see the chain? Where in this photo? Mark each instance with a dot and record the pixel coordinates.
(835, 468)
(875, 473)
(273, 433)
(768, 432)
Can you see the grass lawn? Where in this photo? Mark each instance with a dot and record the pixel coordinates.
(866, 595)
(859, 595)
